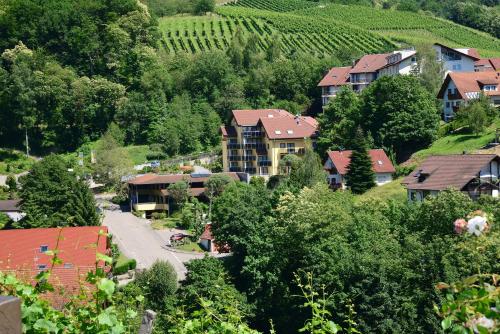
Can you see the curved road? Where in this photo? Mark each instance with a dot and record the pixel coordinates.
(136, 239)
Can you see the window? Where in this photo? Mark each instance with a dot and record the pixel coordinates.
(450, 91)
(457, 67)
(68, 265)
(248, 152)
(490, 88)
(233, 164)
(234, 152)
(44, 248)
(447, 104)
(282, 145)
(290, 145)
(290, 132)
(413, 59)
(42, 266)
(264, 171)
(278, 132)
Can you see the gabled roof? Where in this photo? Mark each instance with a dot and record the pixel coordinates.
(250, 117)
(288, 127)
(370, 63)
(465, 52)
(173, 178)
(10, 205)
(337, 76)
(488, 64)
(20, 254)
(207, 233)
(440, 172)
(380, 161)
(468, 82)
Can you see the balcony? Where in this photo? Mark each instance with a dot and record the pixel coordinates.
(254, 146)
(150, 206)
(454, 96)
(252, 134)
(242, 157)
(233, 146)
(250, 170)
(264, 163)
(288, 150)
(235, 169)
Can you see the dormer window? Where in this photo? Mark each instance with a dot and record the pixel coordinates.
(278, 132)
(270, 116)
(490, 88)
(379, 162)
(44, 248)
(290, 132)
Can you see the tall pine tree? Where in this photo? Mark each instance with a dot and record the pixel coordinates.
(360, 175)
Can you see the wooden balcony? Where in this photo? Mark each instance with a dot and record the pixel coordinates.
(150, 206)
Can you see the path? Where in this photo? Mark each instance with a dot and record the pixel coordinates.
(136, 239)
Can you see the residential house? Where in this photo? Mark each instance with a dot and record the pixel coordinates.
(23, 252)
(487, 65)
(148, 193)
(333, 81)
(255, 140)
(459, 88)
(12, 209)
(338, 161)
(473, 174)
(365, 70)
(456, 60)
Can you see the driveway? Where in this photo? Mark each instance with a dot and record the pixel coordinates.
(136, 239)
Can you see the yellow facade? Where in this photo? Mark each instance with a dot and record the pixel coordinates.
(152, 206)
(261, 158)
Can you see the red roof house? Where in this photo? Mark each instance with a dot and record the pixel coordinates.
(338, 162)
(24, 253)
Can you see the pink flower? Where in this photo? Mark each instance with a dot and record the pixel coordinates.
(460, 226)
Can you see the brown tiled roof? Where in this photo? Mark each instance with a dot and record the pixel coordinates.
(337, 76)
(173, 178)
(380, 162)
(370, 63)
(250, 117)
(448, 171)
(207, 233)
(9, 205)
(288, 127)
(488, 64)
(468, 82)
(473, 53)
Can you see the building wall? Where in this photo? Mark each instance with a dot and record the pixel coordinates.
(383, 178)
(327, 93)
(464, 64)
(336, 178)
(450, 102)
(275, 151)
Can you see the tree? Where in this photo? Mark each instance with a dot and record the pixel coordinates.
(203, 6)
(112, 162)
(400, 114)
(51, 196)
(475, 115)
(158, 284)
(179, 192)
(308, 171)
(429, 70)
(273, 52)
(360, 175)
(214, 187)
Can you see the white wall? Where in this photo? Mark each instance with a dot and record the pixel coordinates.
(465, 64)
(448, 104)
(383, 178)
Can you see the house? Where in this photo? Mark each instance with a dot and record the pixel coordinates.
(487, 64)
(365, 70)
(12, 209)
(255, 140)
(23, 252)
(473, 174)
(149, 192)
(338, 161)
(459, 88)
(456, 60)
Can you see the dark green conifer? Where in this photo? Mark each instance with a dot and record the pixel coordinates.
(360, 175)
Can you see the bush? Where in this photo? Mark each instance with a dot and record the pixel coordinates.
(404, 170)
(123, 265)
(158, 283)
(157, 156)
(119, 199)
(159, 215)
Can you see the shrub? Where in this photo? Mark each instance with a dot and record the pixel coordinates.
(404, 170)
(158, 284)
(159, 215)
(121, 267)
(156, 156)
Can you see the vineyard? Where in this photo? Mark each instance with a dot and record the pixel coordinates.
(298, 33)
(275, 5)
(317, 28)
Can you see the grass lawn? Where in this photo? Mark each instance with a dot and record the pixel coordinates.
(457, 143)
(190, 247)
(12, 161)
(138, 153)
(160, 224)
(392, 190)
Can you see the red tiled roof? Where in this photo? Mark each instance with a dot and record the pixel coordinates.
(380, 161)
(488, 64)
(448, 171)
(207, 233)
(250, 117)
(10, 205)
(77, 248)
(173, 178)
(288, 128)
(337, 76)
(473, 53)
(468, 82)
(370, 63)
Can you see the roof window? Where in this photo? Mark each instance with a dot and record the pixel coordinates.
(42, 266)
(290, 132)
(44, 248)
(379, 162)
(270, 116)
(278, 132)
(68, 265)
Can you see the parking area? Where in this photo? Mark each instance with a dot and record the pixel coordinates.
(136, 239)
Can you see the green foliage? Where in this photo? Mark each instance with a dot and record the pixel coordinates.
(470, 305)
(179, 192)
(12, 161)
(123, 265)
(430, 71)
(158, 284)
(51, 196)
(360, 175)
(4, 220)
(400, 114)
(307, 171)
(476, 115)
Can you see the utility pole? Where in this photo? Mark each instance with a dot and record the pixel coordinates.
(27, 143)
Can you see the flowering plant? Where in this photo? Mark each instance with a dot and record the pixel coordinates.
(476, 223)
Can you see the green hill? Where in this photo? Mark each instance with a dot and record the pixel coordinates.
(317, 28)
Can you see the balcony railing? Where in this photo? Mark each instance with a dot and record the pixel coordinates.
(251, 170)
(150, 206)
(252, 134)
(235, 169)
(242, 157)
(233, 146)
(264, 163)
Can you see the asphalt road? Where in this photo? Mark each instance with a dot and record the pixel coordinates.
(136, 239)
